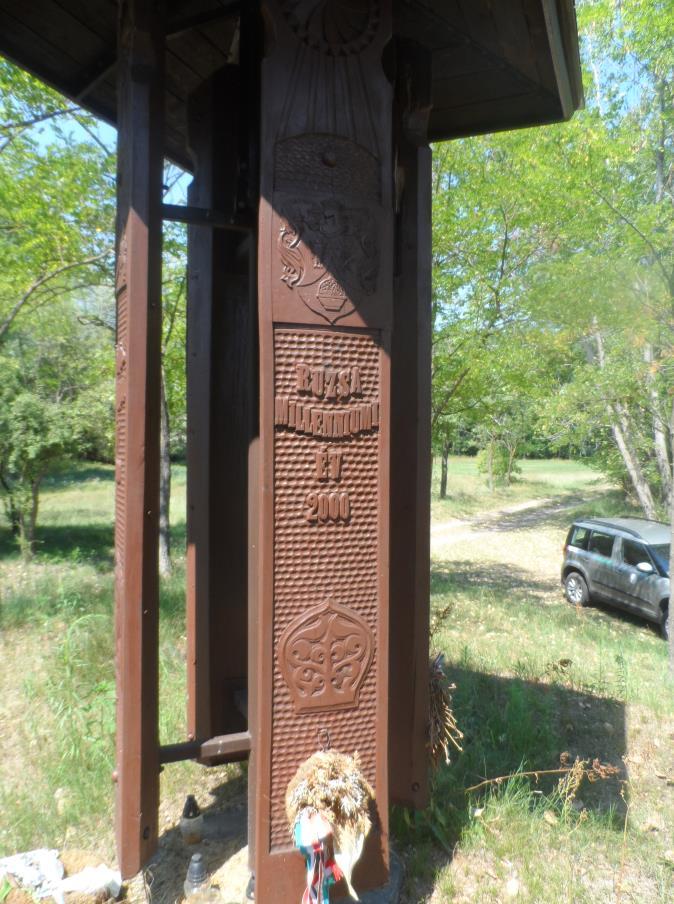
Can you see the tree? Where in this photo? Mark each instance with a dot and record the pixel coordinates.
(53, 398)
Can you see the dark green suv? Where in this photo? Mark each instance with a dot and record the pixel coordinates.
(621, 561)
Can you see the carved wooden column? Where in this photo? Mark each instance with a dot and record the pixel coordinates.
(325, 307)
(140, 121)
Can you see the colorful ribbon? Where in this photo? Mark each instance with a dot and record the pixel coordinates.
(312, 834)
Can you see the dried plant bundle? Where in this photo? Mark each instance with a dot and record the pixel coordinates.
(332, 784)
(443, 730)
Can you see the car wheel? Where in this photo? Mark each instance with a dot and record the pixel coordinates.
(575, 589)
(664, 623)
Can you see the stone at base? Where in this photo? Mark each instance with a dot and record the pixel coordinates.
(391, 892)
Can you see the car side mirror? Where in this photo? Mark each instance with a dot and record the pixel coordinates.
(645, 568)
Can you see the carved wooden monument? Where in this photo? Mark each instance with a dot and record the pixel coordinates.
(306, 124)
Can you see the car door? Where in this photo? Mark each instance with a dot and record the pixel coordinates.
(600, 564)
(637, 587)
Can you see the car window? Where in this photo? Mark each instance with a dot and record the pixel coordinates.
(579, 537)
(633, 553)
(601, 544)
(661, 553)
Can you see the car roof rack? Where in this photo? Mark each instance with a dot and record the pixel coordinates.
(622, 527)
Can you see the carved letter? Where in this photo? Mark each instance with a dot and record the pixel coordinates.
(335, 459)
(281, 410)
(318, 382)
(303, 378)
(322, 465)
(343, 389)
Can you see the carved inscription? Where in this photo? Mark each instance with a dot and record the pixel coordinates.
(325, 654)
(326, 548)
(326, 384)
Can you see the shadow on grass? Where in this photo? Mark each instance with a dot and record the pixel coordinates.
(80, 543)
(512, 726)
(225, 824)
(492, 577)
(85, 471)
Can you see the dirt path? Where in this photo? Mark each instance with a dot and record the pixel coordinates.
(528, 514)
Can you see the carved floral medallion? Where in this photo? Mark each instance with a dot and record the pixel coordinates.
(324, 655)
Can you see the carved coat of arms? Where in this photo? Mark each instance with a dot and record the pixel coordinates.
(330, 255)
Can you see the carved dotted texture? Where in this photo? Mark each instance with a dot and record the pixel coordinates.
(317, 562)
(121, 418)
(326, 163)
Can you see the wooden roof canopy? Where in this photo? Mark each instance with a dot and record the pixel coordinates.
(496, 64)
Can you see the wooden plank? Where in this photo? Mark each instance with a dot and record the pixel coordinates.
(469, 90)
(514, 112)
(58, 28)
(99, 16)
(198, 53)
(32, 50)
(141, 55)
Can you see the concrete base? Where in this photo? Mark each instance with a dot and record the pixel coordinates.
(390, 894)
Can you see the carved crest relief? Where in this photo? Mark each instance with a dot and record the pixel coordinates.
(324, 655)
(330, 255)
(334, 27)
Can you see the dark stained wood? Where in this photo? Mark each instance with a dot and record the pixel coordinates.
(325, 301)
(220, 402)
(206, 216)
(230, 748)
(411, 442)
(530, 43)
(491, 116)
(141, 57)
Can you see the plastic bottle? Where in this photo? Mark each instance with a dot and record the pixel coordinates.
(198, 889)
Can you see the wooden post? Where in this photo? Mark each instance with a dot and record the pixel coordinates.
(138, 286)
(325, 308)
(410, 437)
(220, 400)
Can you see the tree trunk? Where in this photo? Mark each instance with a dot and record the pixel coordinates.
(671, 560)
(512, 455)
(27, 521)
(443, 471)
(490, 466)
(165, 567)
(659, 431)
(622, 433)
(623, 437)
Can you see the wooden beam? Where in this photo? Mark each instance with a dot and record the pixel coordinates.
(205, 216)
(234, 747)
(138, 362)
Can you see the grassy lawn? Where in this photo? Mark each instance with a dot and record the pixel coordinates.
(535, 680)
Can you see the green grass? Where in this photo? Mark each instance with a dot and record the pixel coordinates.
(534, 679)
(57, 667)
(468, 494)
